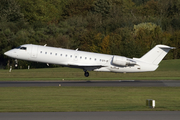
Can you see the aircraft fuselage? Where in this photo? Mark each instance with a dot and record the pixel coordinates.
(88, 61)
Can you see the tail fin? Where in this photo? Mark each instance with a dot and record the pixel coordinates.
(156, 54)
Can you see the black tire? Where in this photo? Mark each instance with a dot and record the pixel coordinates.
(86, 74)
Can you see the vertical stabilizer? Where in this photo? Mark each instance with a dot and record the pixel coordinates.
(156, 54)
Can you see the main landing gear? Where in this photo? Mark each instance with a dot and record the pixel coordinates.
(86, 74)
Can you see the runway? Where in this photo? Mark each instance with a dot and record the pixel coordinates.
(94, 83)
(127, 115)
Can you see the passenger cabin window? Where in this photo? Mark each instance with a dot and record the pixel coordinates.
(22, 48)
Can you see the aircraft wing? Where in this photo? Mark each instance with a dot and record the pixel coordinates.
(85, 66)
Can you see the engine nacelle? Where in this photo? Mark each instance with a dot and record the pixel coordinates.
(122, 61)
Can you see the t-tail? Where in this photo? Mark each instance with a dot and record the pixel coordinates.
(156, 54)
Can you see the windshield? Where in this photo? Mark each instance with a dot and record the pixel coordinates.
(18, 47)
(21, 48)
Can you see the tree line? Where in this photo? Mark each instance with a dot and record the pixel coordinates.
(120, 27)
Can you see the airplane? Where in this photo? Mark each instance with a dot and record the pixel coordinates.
(89, 61)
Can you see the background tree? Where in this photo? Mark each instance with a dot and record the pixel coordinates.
(10, 11)
(105, 46)
(139, 2)
(121, 27)
(102, 7)
(76, 7)
(48, 11)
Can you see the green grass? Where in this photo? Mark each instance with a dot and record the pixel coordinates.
(168, 70)
(56, 99)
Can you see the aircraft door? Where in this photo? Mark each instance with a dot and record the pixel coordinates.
(34, 51)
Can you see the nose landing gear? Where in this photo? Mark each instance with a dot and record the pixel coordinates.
(16, 63)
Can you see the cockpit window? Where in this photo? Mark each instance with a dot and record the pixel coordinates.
(23, 48)
(18, 47)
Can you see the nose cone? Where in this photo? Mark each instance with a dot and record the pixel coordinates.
(8, 53)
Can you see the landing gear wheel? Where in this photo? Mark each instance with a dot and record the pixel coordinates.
(86, 74)
(16, 63)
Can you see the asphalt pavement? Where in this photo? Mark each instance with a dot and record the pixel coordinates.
(125, 115)
(94, 83)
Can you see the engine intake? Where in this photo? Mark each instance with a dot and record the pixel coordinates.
(122, 61)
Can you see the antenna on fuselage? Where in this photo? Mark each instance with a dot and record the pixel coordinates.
(77, 49)
(45, 45)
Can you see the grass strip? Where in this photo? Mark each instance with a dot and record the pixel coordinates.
(63, 99)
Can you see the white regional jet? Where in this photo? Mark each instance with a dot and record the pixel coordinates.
(89, 61)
